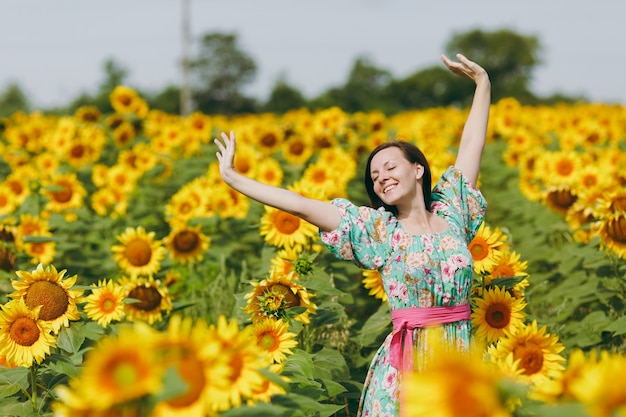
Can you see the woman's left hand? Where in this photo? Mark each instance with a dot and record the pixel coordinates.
(466, 68)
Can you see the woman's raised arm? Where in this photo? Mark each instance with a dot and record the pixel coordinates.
(320, 213)
(475, 130)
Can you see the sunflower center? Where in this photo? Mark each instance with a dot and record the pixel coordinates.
(619, 204)
(236, 366)
(319, 176)
(531, 358)
(77, 151)
(502, 271)
(186, 241)
(565, 167)
(243, 166)
(138, 252)
(286, 223)
(124, 99)
(268, 342)
(52, 298)
(24, 331)
(124, 374)
(63, 196)
(8, 261)
(149, 298)
(108, 304)
(191, 371)
(290, 299)
(268, 140)
(562, 198)
(296, 148)
(616, 229)
(479, 250)
(589, 180)
(498, 315)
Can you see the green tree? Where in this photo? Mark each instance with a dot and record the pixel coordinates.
(220, 72)
(167, 100)
(430, 87)
(13, 99)
(284, 97)
(365, 89)
(508, 57)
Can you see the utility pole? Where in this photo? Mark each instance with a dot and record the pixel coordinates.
(185, 90)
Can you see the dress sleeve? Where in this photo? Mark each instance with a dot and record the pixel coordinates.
(362, 236)
(457, 199)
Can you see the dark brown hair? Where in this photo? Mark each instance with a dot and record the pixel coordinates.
(414, 155)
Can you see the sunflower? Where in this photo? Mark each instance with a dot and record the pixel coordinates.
(81, 152)
(24, 338)
(246, 160)
(124, 134)
(118, 369)
(270, 172)
(199, 125)
(245, 360)
(297, 150)
(495, 313)
(187, 244)
(560, 198)
(442, 388)
(195, 352)
(46, 288)
(105, 303)
(613, 234)
(64, 192)
(29, 225)
(17, 182)
(486, 247)
(139, 253)
(599, 388)
(561, 166)
(273, 297)
(146, 299)
(125, 100)
(186, 204)
(285, 261)
(536, 351)
(509, 265)
(8, 202)
(40, 252)
(269, 388)
(373, 281)
(109, 201)
(268, 138)
(274, 338)
(283, 229)
(563, 386)
(88, 114)
(122, 179)
(321, 177)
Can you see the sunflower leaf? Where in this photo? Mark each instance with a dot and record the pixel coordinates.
(618, 327)
(507, 282)
(71, 338)
(13, 380)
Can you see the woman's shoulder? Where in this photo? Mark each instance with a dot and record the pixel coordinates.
(347, 207)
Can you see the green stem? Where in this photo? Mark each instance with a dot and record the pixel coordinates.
(33, 386)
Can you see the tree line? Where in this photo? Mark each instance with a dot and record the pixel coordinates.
(221, 70)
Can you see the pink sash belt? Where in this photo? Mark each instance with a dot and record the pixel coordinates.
(407, 319)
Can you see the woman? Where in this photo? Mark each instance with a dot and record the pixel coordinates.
(417, 238)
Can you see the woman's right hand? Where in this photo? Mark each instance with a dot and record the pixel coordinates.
(226, 155)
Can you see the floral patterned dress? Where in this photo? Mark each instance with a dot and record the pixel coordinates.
(427, 270)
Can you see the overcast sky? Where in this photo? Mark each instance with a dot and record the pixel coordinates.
(56, 49)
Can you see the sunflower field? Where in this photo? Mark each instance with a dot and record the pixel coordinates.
(134, 282)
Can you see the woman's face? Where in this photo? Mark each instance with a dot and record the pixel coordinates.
(393, 176)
